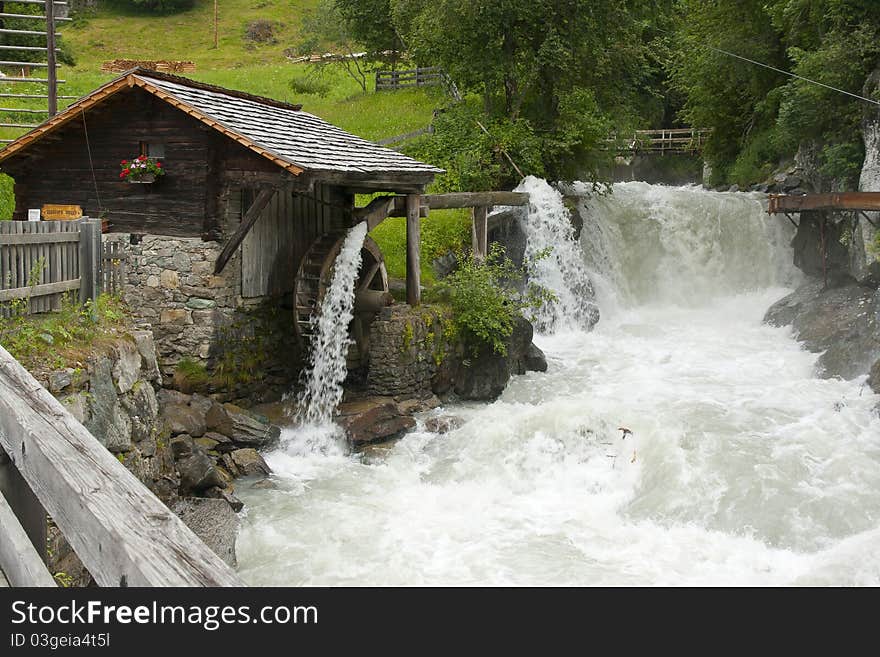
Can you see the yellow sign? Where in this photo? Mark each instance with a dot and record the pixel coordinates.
(61, 212)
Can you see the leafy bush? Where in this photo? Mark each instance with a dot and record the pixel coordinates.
(310, 85)
(260, 31)
(485, 301)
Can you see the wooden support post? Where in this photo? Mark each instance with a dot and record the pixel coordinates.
(413, 260)
(247, 222)
(24, 504)
(89, 259)
(480, 231)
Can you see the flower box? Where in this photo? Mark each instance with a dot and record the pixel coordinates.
(146, 178)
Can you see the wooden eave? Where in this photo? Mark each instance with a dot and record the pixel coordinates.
(131, 80)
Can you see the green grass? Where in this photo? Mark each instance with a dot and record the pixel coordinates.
(54, 340)
(441, 231)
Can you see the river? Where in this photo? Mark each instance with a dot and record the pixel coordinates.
(741, 467)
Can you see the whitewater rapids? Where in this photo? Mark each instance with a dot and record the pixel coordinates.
(742, 467)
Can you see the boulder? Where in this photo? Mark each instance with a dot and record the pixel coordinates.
(180, 418)
(443, 423)
(372, 419)
(213, 521)
(197, 472)
(843, 322)
(60, 380)
(106, 420)
(227, 495)
(242, 427)
(249, 462)
(535, 360)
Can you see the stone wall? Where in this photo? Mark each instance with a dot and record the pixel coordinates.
(244, 348)
(416, 352)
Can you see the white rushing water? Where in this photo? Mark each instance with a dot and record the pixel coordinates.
(742, 468)
(322, 379)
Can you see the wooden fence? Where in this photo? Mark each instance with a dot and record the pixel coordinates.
(416, 77)
(113, 275)
(51, 464)
(41, 261)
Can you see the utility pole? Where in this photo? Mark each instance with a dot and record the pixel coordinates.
(215, 24)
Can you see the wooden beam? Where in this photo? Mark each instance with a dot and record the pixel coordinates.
(247, 222)
(413, 260)
(782, 203)
(20, 562)
(376, 211)
(474, 199)
(40, 290)
(119, 529)
(479, 232)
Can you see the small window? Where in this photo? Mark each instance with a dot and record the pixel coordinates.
(152, 150)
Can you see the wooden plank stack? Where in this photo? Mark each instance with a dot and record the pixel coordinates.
(162, 65)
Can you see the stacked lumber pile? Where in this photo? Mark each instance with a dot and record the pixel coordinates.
(161, 65)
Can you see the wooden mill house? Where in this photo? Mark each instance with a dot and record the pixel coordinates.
(256, 198)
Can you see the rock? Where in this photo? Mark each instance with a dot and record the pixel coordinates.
(733, 188)
(173, 316)
(221, 443)
(77, 405)
(789, 183)
(208, 444)
(146, 347)
(60, 380)
(249, 462)
(213, 521)
(443, 423)
(843, 322)
(535, 359)
(372, 419)
(181, 418)
(106, 419)
(227, 495)
(152, 281)
(196, 303)
(412, 406)
(874, 377)
(169, 279)
(242, 427)
(127, 368)
(182, 445)
(168, 396)
(483, 377)
(142, 408)
(197, 472)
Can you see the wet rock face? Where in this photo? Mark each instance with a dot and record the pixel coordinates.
(843, 322)
(373, 419)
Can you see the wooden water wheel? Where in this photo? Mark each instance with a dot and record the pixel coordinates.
(314, 276)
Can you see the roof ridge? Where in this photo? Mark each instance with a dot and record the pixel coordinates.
(188, 82)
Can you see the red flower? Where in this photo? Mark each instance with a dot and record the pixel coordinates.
(125, 172)
(124, 162)
(142, 158)
(122, 174)
(159, 164)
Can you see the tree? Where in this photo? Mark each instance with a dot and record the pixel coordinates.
(570, 70)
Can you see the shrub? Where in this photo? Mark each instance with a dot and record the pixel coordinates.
(260, 31)
(485, 301)
(310, 85)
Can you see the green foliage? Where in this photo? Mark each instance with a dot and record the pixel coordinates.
(52, 339)
(552, 78)
(370, 24)
(758, 115)
(484, 299)
(474, 158)
(191, 374)
(7, 197)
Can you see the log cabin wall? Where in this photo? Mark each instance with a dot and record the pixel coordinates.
(60, 169)
(273, 249)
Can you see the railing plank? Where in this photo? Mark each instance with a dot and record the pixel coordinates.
(39, 290)
(121, 532)
(39, 237)
(19, 560)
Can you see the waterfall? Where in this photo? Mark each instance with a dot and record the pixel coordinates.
(555, 261)
(680, 245)
(326, 371)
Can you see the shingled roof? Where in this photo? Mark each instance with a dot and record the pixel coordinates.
(293, 139)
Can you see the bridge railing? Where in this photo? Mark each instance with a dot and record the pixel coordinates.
(51, 464)
(664, 140)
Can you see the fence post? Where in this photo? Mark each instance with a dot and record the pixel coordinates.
(89, 259)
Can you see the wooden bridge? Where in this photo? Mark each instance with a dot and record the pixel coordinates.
(663, 140)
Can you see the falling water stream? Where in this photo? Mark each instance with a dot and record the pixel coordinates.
(742, 468)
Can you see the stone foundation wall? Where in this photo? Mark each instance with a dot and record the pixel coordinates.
(407, 347)
(237, 347)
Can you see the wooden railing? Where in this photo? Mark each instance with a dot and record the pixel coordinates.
(416, 77)
(664, 140)
(50, 464)
(40, 261)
